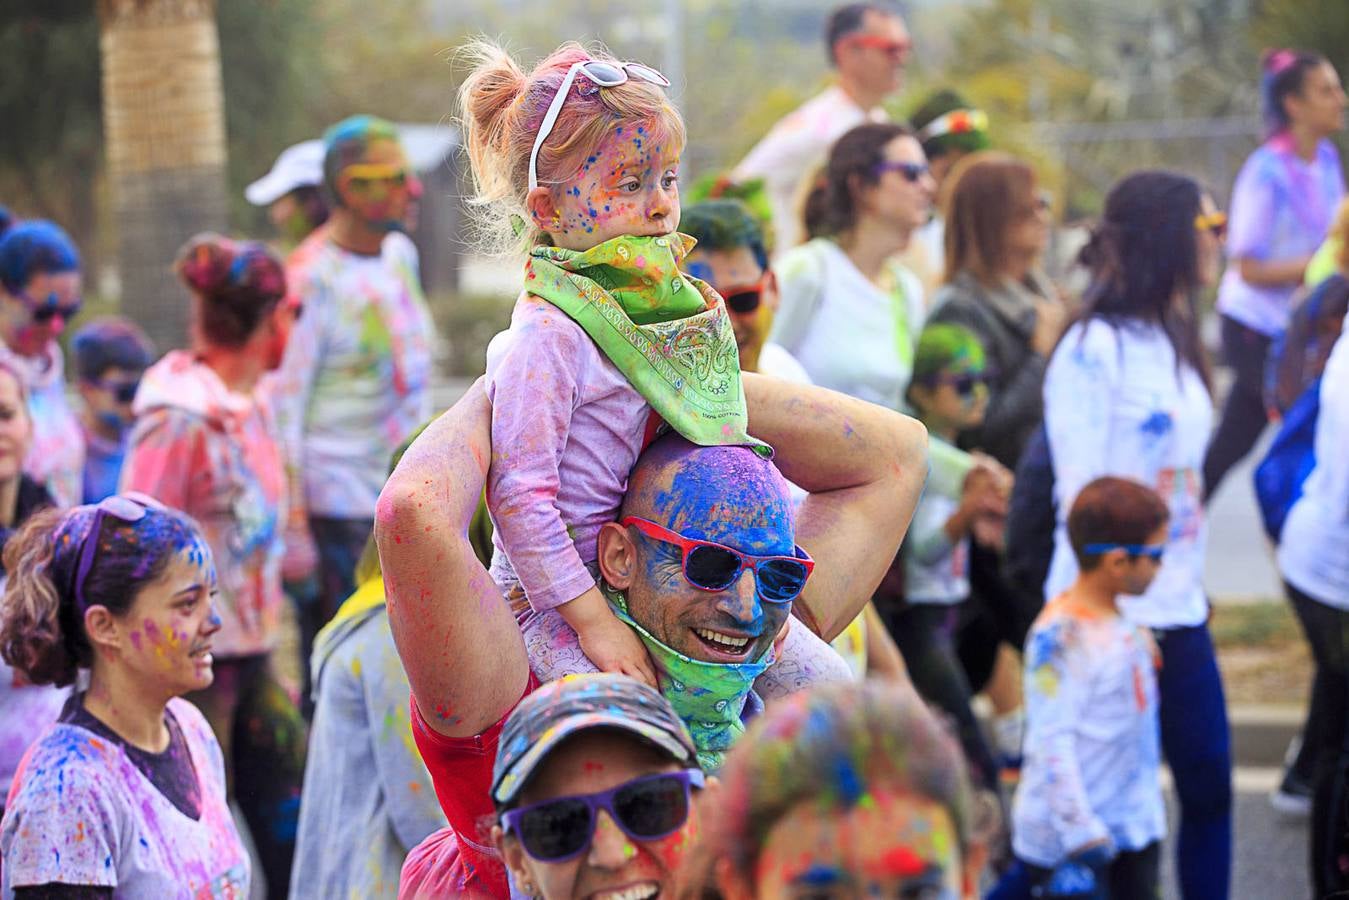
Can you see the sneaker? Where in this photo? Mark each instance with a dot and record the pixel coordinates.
(1293, 799)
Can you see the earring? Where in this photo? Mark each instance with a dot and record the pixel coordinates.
(529, 888)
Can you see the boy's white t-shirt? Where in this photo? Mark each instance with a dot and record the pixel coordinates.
(1092, 751)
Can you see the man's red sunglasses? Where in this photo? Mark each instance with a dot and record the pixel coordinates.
(746, 298)
(710, 566)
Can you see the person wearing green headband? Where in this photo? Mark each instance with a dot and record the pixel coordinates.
(465, 656)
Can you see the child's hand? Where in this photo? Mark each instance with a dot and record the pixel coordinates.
(614, 647)
(608, 643)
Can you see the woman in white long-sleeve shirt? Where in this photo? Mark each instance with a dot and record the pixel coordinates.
(1126, 394)
(1314, 561)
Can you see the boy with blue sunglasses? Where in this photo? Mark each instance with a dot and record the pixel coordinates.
(1088, 818)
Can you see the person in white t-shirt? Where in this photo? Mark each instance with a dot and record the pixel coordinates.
(868, 46)
(1314, 562)
(1126, 393)
(851, 313)
(731, 255)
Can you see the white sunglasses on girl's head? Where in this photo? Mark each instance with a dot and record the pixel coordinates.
(602, 74)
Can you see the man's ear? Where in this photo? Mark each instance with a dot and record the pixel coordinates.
(543, 211)
(617, 555)
(772, 298)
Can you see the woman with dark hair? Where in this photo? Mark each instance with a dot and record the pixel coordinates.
(1282, 206)
(125, 794)
(39, 294)
(1127, 394)
(844, 791)
(205, 443)
(843, 288)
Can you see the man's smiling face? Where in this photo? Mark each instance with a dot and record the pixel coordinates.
(727, 495)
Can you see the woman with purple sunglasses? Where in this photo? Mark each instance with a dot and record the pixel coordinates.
(573, 749)
(39, 294)
(124, 796)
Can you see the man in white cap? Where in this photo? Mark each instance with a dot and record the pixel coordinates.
(292, 192)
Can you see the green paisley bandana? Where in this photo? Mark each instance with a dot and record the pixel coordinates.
(708, 697)
(668, 334)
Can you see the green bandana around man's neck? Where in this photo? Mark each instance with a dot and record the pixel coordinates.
(708, 697)
(668, 334)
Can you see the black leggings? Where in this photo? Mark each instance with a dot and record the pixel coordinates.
(1328, 630)
(262, 737)
(1131, 875)
(924, 634)
(1244, 351)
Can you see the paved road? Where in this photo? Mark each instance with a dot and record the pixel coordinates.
(1270, 856)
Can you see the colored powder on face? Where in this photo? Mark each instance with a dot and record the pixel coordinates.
(819, 876)
(900, 862)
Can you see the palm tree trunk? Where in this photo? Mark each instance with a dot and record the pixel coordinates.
(164, 124)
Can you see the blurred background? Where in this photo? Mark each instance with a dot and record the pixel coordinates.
(97, 137)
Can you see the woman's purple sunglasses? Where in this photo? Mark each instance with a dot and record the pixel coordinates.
(645, 809)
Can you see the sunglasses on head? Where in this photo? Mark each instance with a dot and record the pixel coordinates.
(710, 566)
(43, 311)
(601, 74)
(645, 809)
(1153, 552)
(1215, 222)
(912, 171)
(130, 507)
(746, 299)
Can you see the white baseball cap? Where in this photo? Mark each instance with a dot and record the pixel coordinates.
(298, 166)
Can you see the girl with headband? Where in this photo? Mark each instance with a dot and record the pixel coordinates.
(609, 342)
(125, 794)
(1282, 207)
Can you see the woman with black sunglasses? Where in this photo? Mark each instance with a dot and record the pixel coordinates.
(1127, 394)
(125, 794)
(844, 288)
(205, 442)
(39, 294)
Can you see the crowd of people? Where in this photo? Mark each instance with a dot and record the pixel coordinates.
(692, 593)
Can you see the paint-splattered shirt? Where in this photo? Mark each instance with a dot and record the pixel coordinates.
(83, 812)
(1282, 207)
(214, 454)
(26, 710)
(1116, 403)
(357, 373)
(56, 456)
(1092, 759)
(367, 796)
(567, 428)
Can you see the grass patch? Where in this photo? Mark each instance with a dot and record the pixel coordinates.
(1267, 623)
